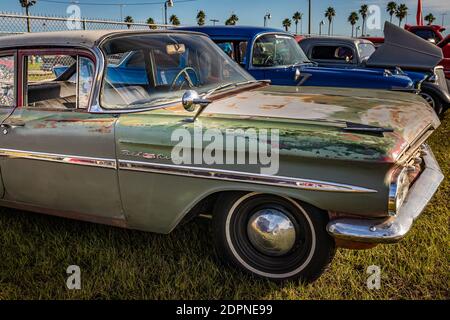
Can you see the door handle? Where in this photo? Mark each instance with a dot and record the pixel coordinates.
(5, 127)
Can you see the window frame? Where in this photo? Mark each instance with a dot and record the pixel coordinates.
(251, 46)
(22, 57)
(13, 53)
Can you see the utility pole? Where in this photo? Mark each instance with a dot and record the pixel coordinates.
(168, 3)
(309, 17)
(214, 21)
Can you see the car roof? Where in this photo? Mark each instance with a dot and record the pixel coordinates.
(222, 31)
(83, 38)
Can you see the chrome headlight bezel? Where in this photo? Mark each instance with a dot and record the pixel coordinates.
(398, 189)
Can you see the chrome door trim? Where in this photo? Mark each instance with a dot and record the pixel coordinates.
(60, 158)
(237, 176)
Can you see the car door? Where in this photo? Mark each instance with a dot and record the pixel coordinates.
(57, 155)
(8, 91)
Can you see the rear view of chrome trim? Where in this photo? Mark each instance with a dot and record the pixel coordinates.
(68, 159)
(227, 175)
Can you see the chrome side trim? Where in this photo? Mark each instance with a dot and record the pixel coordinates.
(60, 158)
(394, 228)
(237, 176)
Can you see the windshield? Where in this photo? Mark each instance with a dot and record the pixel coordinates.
(276, 50)
(365, 50)
(149, 70)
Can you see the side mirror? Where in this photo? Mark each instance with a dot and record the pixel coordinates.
(297, 75)
(188, 100)
(191, 100)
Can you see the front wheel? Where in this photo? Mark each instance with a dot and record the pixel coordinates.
(271, 236)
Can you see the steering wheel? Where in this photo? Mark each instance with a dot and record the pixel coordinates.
(186, 77)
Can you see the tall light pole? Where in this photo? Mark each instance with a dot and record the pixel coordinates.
(309, 17)
(320, 27)
(167, 4)
(268, 16)
(214, 21)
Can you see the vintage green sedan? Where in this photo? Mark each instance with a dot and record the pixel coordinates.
(149, 129)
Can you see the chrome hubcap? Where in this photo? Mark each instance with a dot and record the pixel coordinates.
(271, 232)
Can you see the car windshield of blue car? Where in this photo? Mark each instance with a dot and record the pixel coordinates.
(365, 50)
(276, 50)
(149, 70)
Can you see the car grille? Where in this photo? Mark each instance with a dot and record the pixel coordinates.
(442, 82)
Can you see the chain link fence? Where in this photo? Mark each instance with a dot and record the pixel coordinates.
(13, 23)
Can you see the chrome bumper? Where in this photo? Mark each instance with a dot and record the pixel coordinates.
(395, 228)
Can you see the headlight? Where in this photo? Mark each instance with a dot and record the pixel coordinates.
(398, 189)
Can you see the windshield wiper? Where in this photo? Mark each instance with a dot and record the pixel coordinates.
(231, 84)
(364, 128)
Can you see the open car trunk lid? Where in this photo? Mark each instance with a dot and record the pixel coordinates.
(404, 49)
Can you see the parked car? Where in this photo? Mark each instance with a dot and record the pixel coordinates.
(352, 166)
(274, 54)
(434, 34)
(350, 53)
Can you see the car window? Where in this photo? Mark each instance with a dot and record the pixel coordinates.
(426, 34)
(167, 66)
(58, 81)
(274, 50)
(336, 53)
(7, 81)
(236, 50)
(365, 50)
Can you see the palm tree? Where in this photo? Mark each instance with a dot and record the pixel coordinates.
(231, 21)
(201, 17)
(287, 24)
(27, 4)
(430, 18)
(151, 23)
(174, 20)
(401, 13)
(330, 14)
(363, 11)
(391, 8)
(297, 17)
(128, 20)
(353, 19)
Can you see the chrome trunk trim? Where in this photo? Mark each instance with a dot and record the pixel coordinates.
(237, 176)
(394, 228)
(60, 158)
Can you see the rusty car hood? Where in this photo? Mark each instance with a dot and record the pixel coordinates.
(311, 120)
(408, 115)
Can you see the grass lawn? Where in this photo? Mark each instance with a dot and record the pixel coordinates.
(35, 251)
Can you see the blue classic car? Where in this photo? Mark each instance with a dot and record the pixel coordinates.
(275, 55)
(420, 66)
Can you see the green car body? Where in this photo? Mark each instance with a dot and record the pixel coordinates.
(117, 167)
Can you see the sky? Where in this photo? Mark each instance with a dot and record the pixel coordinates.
(250, 12)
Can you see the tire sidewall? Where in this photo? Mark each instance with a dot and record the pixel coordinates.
(320, 252)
